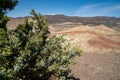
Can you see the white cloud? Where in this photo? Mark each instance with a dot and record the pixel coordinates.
(115, 7)
(98, 10)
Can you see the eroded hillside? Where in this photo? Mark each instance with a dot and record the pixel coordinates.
(97, 38)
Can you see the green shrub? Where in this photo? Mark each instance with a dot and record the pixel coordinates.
(28, 53)
(31, 55)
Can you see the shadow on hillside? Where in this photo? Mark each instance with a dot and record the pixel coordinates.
(72, 78)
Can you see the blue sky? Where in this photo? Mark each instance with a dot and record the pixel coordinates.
(83, 8)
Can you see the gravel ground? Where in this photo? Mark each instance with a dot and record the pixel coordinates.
(97, 66)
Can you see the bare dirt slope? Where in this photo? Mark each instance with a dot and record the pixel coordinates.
(92, 39)
(100, 59)
(97, 66)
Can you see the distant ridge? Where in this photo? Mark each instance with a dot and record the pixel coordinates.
(108, 21)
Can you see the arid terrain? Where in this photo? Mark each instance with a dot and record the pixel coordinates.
(98, 37)
(100, 59)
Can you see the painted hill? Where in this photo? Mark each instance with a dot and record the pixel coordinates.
(99, 38)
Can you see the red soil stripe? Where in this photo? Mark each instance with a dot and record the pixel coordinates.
(99, 35)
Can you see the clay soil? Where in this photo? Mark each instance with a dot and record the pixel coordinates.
(97, 66)
(100, 59)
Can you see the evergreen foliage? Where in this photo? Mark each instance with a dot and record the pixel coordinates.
(27, 53)
(5, 5)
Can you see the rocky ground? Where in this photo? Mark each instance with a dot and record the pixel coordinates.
(100, 59)
(97, 66)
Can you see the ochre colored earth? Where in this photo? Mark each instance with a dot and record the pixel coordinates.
(100, 59)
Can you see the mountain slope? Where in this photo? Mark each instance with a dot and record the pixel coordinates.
(52, 19)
